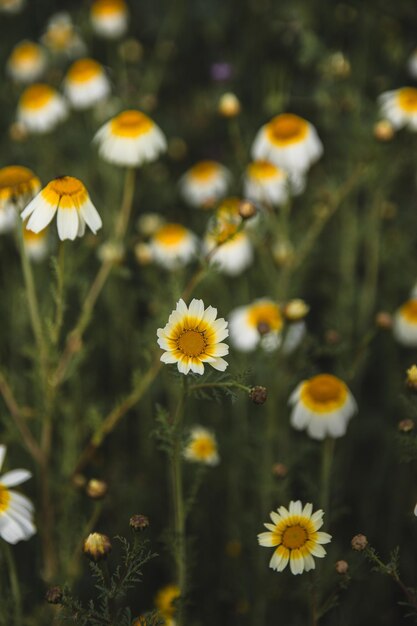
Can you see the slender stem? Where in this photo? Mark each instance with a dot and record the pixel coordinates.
(390, 571)
(59, 296)
(219, 385)
(327, 452)
(14, 584)
(127, 203)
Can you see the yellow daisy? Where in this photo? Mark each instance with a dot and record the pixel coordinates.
(400, 107)
(201, 447)
(192, 337)
(290, 142)
(27, 62)
(266, 183)
(165, 600)
(130, 139)
(173, 245)
(16, 511)
(86, 83)
(68, 197)
(18, 185)
(61, 38)
(322, 405)
(295, 535)
(41, 108)
(405, 323)
(205, 183)
(109, 18)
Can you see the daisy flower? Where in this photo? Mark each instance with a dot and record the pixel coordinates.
(322, 405)
(11, 6)
(249, 325)
(86, 83)
(295, 535)
(201, 447)
(27, 62)
(18, 185)
(61, 38)
(400, 107)
(41, 108)
(405, 323)
(109, 18)
(16, 511)
(130, 139)
(165, 600)
(173, 246)
(226, 244)
(205, 183)
(288, 141)
(68, 197)
(193, 337)
(36, 244)
(266, 183)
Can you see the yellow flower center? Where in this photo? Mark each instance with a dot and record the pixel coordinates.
(265, 315)
(14, 176)
(4, 498)
(286, 129)
(229, 209)
(131, 124)
(67, 192)
(170, 234)
(203, 447)
(407, 99)
(409, 311)
(324, 393)
(37, 96)
(263, 170)
(205, 170)
(102, 8)
(84, 70)
(191, 343)
(24, 52)
(165, 598)
(294, 537)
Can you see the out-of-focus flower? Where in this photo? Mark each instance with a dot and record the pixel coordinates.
(143, 253)
(27, 62)
(201, 447)
(173, 246)
(205, 183)
(109, 18)
(411, 380)
(221, 71)
(11, 6)
(288, 141)
(41, 108)
(412, 64)
(399, 107)
(36, 244)
(61, 38)
(16, 511)
(383, 320)
(406, 425)
(359, 542)
(68, 197)
(130, 139)
(165, 600)
(249, 325)
(86, 83)
(149, 223)
(97, 546)
(295, 536)
(266, 183)
(18, 185)
(341, 567)
(405, 324)
(226, 243)
(296, 309)
(229, 105)
(383, 130)
(96, 489)
(192, 337)
(111, 252)
(322, 405)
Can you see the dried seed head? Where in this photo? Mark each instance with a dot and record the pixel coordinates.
(229, 105)
(383, 320)
(258, 394)
(406, 425)
(96, 489)
(54, 595)
(97, 546)
(341, 567)
(359, 542)
(138, 522)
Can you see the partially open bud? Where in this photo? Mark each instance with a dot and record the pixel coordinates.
(359, 542)
(229, 105)
(258, 394)
(97, 546)
(96, 489)
(54, 595)
(341, 567)
(383, 320)
(247, 209)
(383, 130)
(406, 425)
(411, 380)
(138, 522)
(295, 310)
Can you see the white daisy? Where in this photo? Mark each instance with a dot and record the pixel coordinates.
(61, 38)
(36, 244)
(400, 107)
(405, 323)
(27, 62)
(192, 337)
(252, 324)
(86, 83)
(173, 245)
(16, 511)
(205, 183)
(18, 185)
(41, 108)
(266, 183)
(109, 18)
(201, 447)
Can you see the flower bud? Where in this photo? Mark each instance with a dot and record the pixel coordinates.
(96, 489)
(383, 320)
(54, 595)
(411, 380)
(383, 130)
(229, 105)
(279, 470)
(258, 394)
(406, 425)
(143, 253)
(341, 567)
(97, 546)
(138, 522)
(359, 543)
(295, 310)
(247, 209)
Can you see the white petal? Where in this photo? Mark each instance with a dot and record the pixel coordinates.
(267, 540)
(41, 216)
(2, 454)
(219, 364)
(91, 216)
(15, 477)
(67, 223)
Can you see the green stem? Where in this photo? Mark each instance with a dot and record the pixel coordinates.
(327, 452)
(219, 385)
(127, 203)
(59, 313)
(14, 584)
